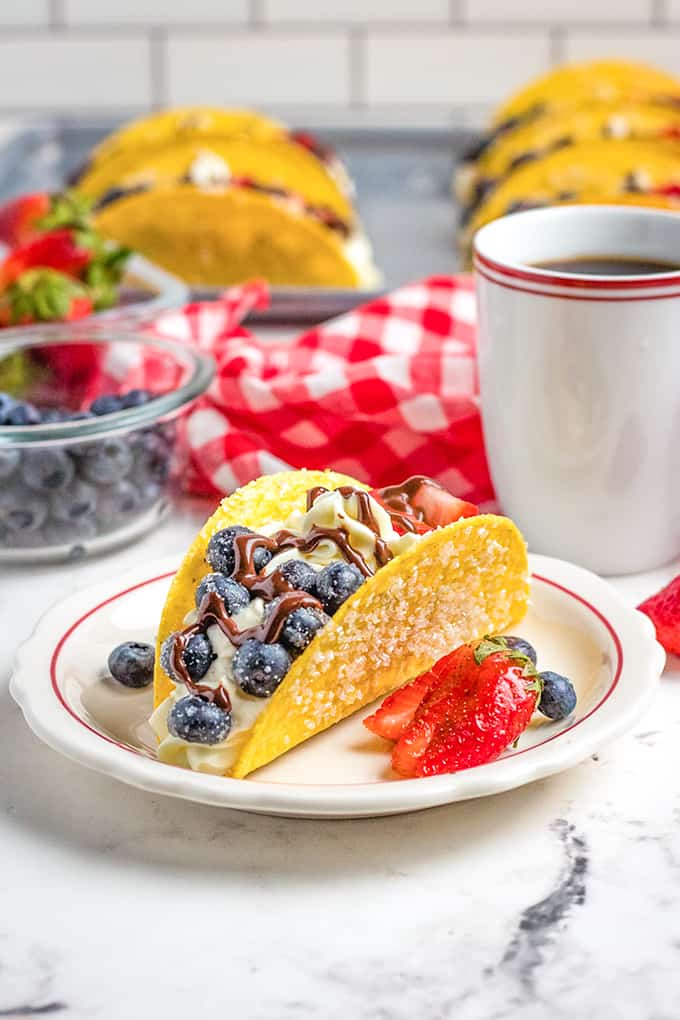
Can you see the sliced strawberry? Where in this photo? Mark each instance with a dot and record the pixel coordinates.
(399, 708)
(480, 705)
(663, 609)
(439, 507)
(19, 218)
(58, 249)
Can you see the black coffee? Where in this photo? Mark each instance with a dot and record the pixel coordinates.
(608, 265)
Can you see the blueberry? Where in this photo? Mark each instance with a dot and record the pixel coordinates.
(558, 698)
(8, 462)
(7, 404)
(260, 668)
(21, 510)
(108, 403)
(300, 575)
(69, 532)
(233, 594)
(106, 461)
(300, 627)
(52, 416)
(198, 721)
(198, 655)
(518, 644)
(132, 664)
(77, 500)
(220, 554)
(167, 653)
(335, 583)
(148, 492)
(134, 398)
(47, 470)
(23, 413)
(116, 503)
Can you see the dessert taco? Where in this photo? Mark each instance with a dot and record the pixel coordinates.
(277, 162)
(539, 138)
(183, 123)
(607, 169)
(228, 233)
(306, 597)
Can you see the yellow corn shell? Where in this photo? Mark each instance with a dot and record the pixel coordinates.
(457, 584)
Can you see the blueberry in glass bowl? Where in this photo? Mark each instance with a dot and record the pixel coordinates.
(91, 429)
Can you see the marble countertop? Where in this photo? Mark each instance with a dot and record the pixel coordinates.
(556, 900)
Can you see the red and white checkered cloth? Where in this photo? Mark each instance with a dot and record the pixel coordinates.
(386, 391)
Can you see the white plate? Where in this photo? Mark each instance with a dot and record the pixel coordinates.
(578, 623)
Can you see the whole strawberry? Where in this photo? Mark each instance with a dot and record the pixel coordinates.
(43, 295)
(480, 703)
(663, 609)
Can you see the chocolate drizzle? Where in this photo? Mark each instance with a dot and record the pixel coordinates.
(398, 500)
(273, 587)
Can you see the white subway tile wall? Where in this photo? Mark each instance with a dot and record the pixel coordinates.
(405, 61)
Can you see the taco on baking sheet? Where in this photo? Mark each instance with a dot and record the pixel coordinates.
(595, 81)
(224, 234)
(539, 138)
(278, 163)
(607, 169)
(306, 596)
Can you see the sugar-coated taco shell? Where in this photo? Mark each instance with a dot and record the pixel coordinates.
(277, 162)
(227, 235)
(603, 168)
(592, 122)
(604, 81)
(185, 122)
(457, 584)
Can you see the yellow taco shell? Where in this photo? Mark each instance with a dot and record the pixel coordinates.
(278, 162)
(227, 235)
(597, 81)
(188, 122)
(598, 168)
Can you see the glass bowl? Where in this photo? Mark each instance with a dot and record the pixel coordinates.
(72, 486)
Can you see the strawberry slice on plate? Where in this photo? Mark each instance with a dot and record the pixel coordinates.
(663, 609)
(480, 704)
(398, 709)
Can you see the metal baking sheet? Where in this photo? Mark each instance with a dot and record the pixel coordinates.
(402, 178)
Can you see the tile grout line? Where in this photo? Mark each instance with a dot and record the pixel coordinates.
(357, 69)
(158, 70)
(56, 15)
(557, 36)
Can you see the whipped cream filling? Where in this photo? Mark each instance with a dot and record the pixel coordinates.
(330, 509)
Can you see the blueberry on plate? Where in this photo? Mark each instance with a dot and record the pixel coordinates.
(198, 721)
(106, 461)
(116, 503)
(300, 627)
(77, 500)
(299, 575)
(260, 668)
(519, 644)
(198, 655)
(47, 470)
(9, 460)
(234, 595)
(23, 413)
(21, 510)
(558, 697)
(107, 403)
(220, 554)
(131, 664)
(335, 583)
(134, 398)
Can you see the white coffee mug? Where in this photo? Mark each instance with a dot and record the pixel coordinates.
(580, 383)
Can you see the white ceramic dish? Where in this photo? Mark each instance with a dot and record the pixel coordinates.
(578, 623)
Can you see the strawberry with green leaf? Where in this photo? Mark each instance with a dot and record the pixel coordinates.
(43, 295)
